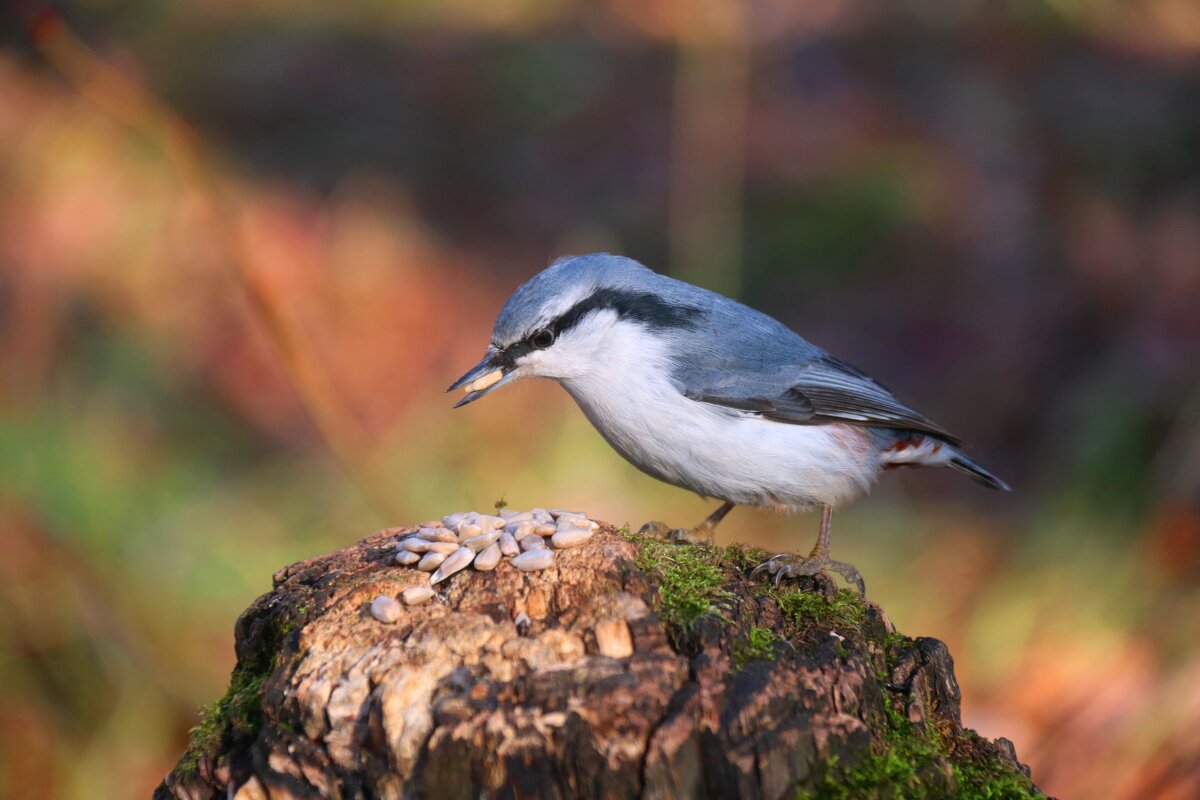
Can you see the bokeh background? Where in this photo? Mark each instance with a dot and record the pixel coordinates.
(245, 245)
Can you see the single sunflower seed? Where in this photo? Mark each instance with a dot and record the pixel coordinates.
(455, 562)
(533, 560)
(385, 609)
(488, 558)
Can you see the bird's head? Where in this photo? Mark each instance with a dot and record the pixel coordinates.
(560, 323)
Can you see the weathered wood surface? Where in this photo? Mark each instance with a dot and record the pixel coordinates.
(575, 682)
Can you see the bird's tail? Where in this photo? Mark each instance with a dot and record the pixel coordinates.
(910, 449)
(959, 461)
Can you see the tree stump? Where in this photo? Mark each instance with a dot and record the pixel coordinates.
(631, 668)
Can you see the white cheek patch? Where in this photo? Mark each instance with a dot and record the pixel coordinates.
(576, 352)
(531, 363)
(594, 323)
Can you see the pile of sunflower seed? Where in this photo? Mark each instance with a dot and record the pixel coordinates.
(468, 538)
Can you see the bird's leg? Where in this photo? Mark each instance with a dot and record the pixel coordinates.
(701, 534)
(704, 532)
(793, 565)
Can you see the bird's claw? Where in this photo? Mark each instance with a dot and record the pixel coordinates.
(701, 534)
(656, 530)
(793, 565)
(769, 566)
(851, 574)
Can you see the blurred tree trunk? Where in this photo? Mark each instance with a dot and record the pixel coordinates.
(632, 668)
(708, 145)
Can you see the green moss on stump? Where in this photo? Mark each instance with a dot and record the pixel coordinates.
(844, 613)
(905, 763)
(693, 584)
(239, 712)
(759, 645)
(908, 765)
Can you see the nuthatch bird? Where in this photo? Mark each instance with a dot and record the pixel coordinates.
(709, 395)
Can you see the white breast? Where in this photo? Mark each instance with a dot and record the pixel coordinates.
(716, 452)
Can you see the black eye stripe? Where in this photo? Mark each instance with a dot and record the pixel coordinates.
(648, 309)
(508, 357)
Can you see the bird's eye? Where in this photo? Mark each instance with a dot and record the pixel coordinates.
(542, 339)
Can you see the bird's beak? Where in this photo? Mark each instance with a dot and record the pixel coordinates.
(481, 379)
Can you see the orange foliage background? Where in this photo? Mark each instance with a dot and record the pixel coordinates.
(244, 246)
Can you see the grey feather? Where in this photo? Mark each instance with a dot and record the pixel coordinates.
(728, 355)
(537, 300)
(702, 392)
(818, 391)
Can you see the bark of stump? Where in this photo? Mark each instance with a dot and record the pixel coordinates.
(627, 673)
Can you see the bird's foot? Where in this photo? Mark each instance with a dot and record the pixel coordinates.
(794, 565)
(656, 530)
(702, 534)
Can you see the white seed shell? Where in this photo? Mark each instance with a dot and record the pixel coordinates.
(455, 562)
(445, 548)
(488, 558)
(477, 543)
(438, 534)
(487, 522)
(570, 537)
(406, 558)
(385, 609)
(416, 594)
(545, 529)
(534, 560)
(467, 530)
(431, 561)
(520, 530)
(508, 545)
(451, 521)
(577, 522)
(532, 543)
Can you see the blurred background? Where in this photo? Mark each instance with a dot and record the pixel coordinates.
(244, 246)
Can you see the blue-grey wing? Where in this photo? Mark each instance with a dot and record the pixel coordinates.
(818, 391)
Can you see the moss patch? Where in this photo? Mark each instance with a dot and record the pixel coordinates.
(759, 645)
(741, 558)
(909, 765)
(239, 712)
(992, 781)
(845, 612)
(905, 762)
(691, 583)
